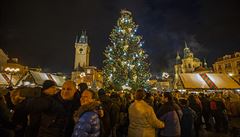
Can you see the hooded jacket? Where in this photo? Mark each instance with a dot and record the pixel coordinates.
(87, 121)
(143, 120)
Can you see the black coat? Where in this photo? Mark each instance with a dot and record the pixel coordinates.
(34, 107)
(106, 104)
(57, 120)
(46, 118)
(115, 112)
(51, 116)
(6, 126)
(5, 115)
(70, 107)
(20, 119)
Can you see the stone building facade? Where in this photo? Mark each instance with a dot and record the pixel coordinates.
(229, 64)
(187, 64)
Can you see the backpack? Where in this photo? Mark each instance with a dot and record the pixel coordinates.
(213, 105)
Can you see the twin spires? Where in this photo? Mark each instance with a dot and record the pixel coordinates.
(83, 39)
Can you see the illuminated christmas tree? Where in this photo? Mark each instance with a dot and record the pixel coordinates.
(126, 62)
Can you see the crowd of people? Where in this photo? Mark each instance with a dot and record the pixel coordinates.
(77, 111)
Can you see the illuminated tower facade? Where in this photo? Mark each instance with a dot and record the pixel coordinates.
(82, 51)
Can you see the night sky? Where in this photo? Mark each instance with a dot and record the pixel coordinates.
(42, 32)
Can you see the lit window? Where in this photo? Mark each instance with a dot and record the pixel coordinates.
(228, 66)
(88, 71)
(238, 64)
(219, 67)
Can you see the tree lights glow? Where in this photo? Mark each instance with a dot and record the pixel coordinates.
(126, 62)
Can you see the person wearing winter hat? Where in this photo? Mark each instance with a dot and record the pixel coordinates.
(101, 92)
(49, 87)
(106, 104)
(36, 106)
(82, 87)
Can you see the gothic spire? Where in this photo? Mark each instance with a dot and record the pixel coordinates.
(83, 38)
(178, 58)
(76, 41)
(187, 52)
(124, 11)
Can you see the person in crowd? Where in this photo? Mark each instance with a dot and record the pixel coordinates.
(187, 121)
(81, 87)
(57, 118)
(69, 98)
(168, 113)
(228, 107)
(6, 126)
(142, 119)
(157, 102)
(115, 114)
(219, 113)
(108, 93)
(7, 97)
(206, 112)
(195, 104)
(126, 99)
(87, 117)
(19, 118)
(234, 104)
(176, 97)
(149, 99)
(106, 104)
(36, 106)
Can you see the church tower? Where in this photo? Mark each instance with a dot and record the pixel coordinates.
(178, 70)
(187, 52)
(83, 73)
(187, 64)
(82, 51)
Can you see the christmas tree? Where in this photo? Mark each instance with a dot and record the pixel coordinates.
(126, 63)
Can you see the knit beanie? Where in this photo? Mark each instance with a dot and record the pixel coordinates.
(47, 84)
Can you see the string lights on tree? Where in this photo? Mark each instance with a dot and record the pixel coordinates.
(126, 63)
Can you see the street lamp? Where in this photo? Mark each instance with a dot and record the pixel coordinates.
(230, 74)
(11, 71)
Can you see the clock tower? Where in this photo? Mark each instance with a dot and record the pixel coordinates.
(82, 51)
(83, 73)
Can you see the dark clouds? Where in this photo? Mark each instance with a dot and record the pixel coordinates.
(42, 32)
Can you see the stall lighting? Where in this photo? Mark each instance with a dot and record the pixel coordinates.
(11, 71)
(182, 90)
